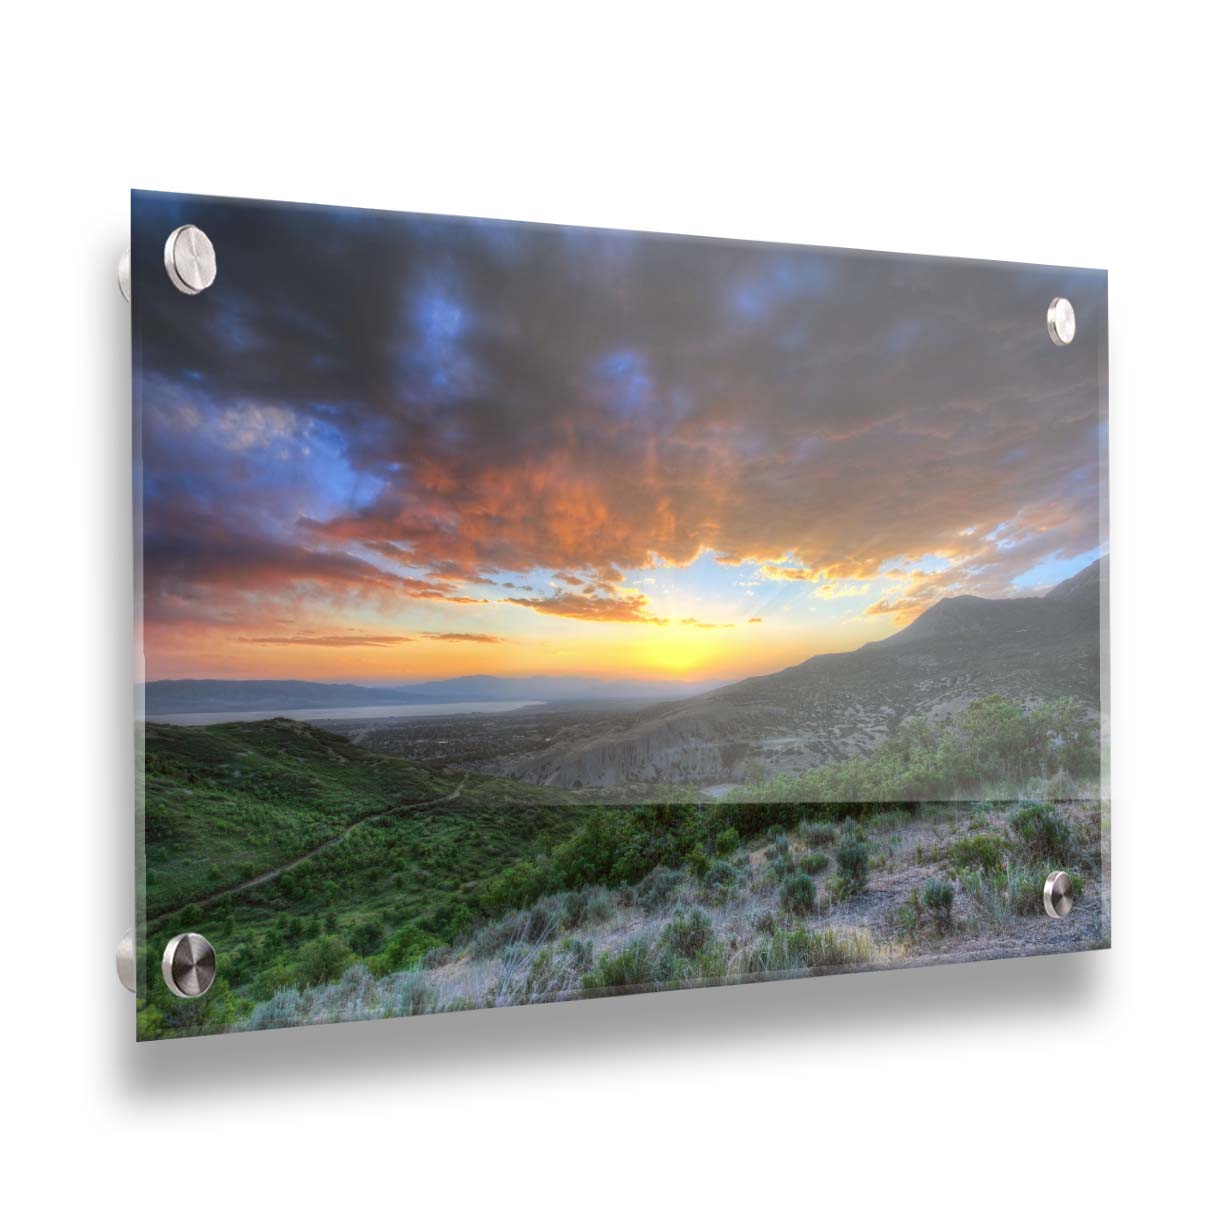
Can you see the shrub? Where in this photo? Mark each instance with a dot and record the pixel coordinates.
(688, 932)
(590, 905)
(323, 960)
(853, 860)
(494, 936)
(781, 867)
(598, 904)
(1026, 887)
(814, 863)
(366, 938)
(699, 863)
(727, 842)
(572, 909)
(283, 1010)
(435, 957)
(787, 950)
(415, 995)
(1043, 834)
(552, 972)
(1016, 888)
(778, 847)
(633, 965)
(937, 898)
(799, 893)
(791, 949)
(659, 886)
(540, 922)
(909, 914)
(833, 947)
(980, 850)
(818, 832)
(721, 881)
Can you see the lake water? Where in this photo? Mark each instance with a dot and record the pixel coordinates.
(430, 710)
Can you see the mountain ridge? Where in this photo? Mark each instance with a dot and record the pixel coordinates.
(834, 706)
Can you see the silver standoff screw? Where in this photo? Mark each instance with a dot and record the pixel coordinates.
(191, 262)
(189, 965)
(1060, 321)
(125, 960)
(125, 274)
(1058, 896)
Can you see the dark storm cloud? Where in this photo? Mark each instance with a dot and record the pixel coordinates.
(405, 406)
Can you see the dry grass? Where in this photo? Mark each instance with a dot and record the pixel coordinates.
(673, 931)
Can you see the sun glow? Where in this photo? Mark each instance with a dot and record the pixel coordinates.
(681, 650)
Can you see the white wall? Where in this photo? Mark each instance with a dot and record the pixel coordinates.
(994, 1091)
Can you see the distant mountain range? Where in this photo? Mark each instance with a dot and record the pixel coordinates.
(244, 696)
(836, 706)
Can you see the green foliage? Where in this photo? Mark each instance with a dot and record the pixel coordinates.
(799, 893)
(555, 971)
(688, 932)
(779, 846)
(853, 861)
(366, 938)
(404, 949)
(323, 960)
(212, 1013)
(792, 949)
(374, 851)
(839, 889)
(415, 995)
(587, 907)
(646, 965)
(1043, 833)
(1017, 888)
(149, 1024)
(818, 832)
(634, 965)
(937, 898)
(721, 882)
(978, 850)
(356, 996)
(781, 867)
(377, 858)
(658, 888)
(814, 863)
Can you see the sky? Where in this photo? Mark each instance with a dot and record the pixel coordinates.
(391, 447)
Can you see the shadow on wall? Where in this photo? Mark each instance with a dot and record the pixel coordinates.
(461, 1045)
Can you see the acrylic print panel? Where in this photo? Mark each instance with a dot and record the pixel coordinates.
(532, 613)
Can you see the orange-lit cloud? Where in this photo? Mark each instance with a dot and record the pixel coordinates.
(456, 420)
(629, 606)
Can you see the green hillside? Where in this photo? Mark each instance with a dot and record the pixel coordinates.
(365, 856)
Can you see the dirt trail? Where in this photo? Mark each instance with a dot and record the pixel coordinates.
(265, 876)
